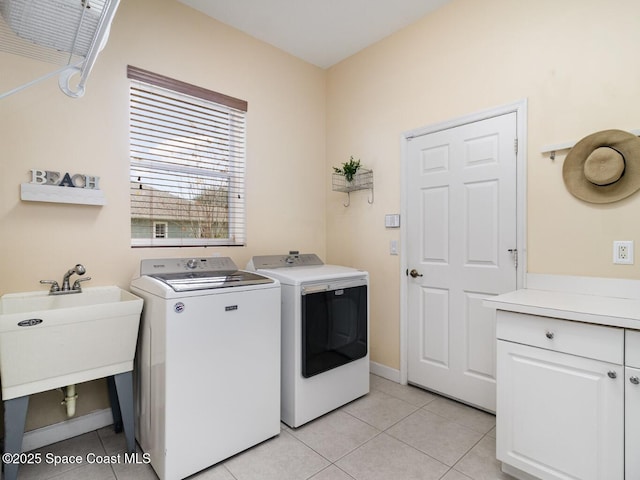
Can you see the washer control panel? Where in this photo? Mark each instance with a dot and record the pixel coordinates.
(153, 266)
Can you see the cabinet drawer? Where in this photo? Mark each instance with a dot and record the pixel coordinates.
(632, 348)
(583, 339)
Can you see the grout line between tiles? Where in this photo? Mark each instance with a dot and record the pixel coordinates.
(329, 466)
(228, 471)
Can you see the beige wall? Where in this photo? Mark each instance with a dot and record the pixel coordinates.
(574, 63)
(573, 60)
(42, 128)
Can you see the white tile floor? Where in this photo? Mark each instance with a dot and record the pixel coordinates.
(394, 433)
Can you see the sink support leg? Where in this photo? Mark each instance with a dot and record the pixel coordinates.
(15, 415)
(124, 390)
(115, 406)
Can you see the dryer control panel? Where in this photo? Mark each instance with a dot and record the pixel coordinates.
(293, 259)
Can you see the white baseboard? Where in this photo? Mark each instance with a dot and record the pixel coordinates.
(384, 371)
(69, 428)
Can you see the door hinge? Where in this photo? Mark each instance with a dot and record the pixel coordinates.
(514, 254)
(515, 146)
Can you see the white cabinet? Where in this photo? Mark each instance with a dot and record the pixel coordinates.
(560, 398)
(632, 405)
(632, 423)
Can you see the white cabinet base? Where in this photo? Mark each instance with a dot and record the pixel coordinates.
(568, 384)
(559, 416)
(516, 473)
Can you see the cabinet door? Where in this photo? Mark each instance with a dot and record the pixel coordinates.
(559, 416)
(632, 423)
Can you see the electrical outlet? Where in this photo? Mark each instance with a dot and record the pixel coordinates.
(623, 252)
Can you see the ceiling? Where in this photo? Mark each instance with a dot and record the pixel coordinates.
(321, 32)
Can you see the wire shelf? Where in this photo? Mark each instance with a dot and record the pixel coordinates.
(362, 180)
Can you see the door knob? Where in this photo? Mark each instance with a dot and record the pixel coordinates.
(612, 374)
(414, 273)
(635, 380)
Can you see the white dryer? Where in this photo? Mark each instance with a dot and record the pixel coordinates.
(325, 333)
(208, 362)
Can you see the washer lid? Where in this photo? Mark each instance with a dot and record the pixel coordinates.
(186, 274)
(184, 282)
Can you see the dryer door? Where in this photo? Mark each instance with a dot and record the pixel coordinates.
(334, 327)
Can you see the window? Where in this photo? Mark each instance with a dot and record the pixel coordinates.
(160, 229)
(187, 153)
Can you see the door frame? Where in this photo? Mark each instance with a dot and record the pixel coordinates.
(520, 109)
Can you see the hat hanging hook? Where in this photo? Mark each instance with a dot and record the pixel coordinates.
(553, 149)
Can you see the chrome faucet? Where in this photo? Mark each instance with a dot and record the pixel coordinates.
(66, 288)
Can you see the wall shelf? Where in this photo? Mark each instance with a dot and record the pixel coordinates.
(55, 194)
(362, 180)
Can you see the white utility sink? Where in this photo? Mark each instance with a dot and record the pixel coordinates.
(50, 341)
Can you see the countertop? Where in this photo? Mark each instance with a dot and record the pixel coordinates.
(616, 312)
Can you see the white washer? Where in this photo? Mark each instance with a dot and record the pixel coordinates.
(325, 334)
(208, 364)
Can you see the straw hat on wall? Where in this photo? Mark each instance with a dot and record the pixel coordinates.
(603, 167)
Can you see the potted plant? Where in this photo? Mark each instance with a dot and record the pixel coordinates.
(348, 169)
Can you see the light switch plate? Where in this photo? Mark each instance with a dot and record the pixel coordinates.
(392, 220)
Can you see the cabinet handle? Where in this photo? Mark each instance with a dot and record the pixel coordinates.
(612, 374)
(550, 335)
(635, 380)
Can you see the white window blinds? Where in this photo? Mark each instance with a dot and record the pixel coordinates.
(187, 150)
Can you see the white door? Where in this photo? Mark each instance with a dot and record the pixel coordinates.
(561, 416)
(461, 241)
